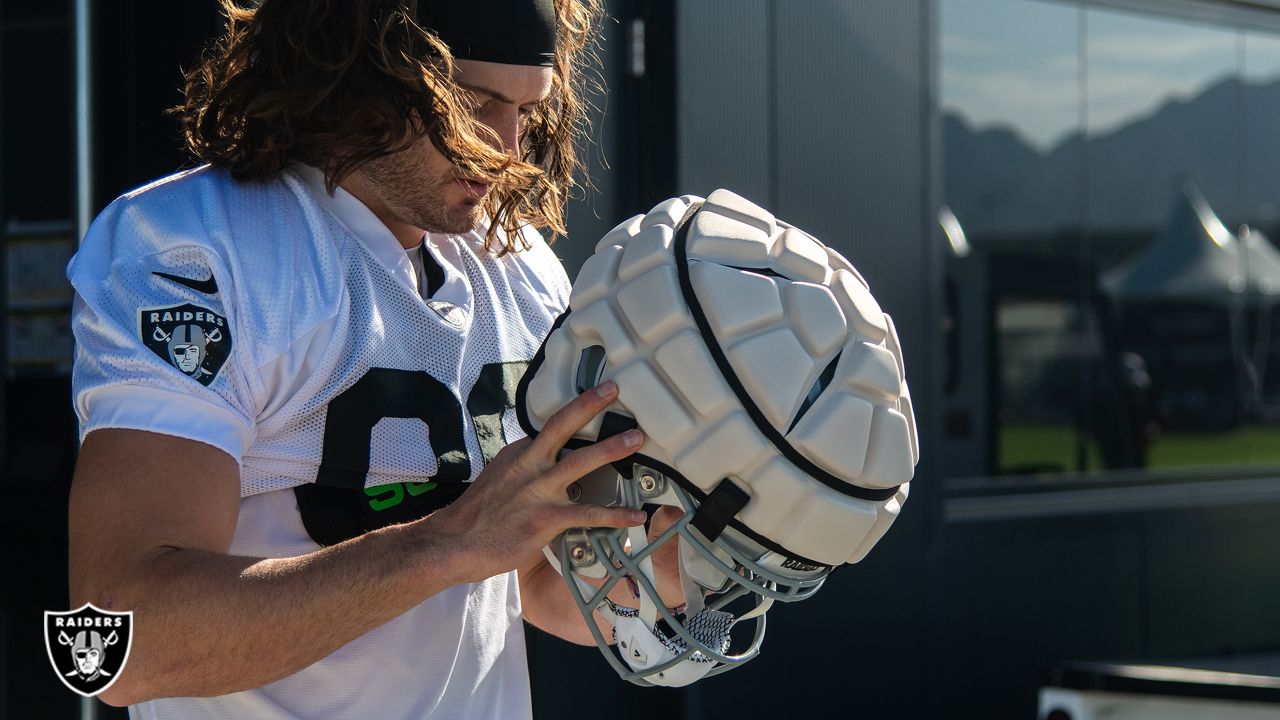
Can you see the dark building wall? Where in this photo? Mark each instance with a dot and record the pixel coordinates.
(138, 49)
(36, 153)
(142, 48)
(820, 112)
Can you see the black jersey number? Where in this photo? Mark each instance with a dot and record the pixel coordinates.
(337, 506)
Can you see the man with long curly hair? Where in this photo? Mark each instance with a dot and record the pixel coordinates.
(326, 510)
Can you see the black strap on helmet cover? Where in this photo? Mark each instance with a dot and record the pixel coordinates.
(721, 506)
(744, 397)
(515, 32)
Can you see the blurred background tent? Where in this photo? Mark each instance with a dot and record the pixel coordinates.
(1185, 305)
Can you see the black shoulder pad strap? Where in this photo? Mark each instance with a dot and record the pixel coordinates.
(719, 508)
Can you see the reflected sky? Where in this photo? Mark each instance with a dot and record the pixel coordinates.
(1138, 63)
(1011, 63)
(1261, 58)
(1016, 63)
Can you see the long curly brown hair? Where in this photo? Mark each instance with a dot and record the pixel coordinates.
(337, 83)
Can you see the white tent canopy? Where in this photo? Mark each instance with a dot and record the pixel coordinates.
(1263, 261)
(1195, 258)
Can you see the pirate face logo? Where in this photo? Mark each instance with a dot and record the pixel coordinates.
(193, 339)
(186, 348)
(88, 647)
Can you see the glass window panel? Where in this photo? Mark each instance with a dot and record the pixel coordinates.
(1013, 64)
(1045, 344)
(1260, 327)
(1011, 110)
(1262, 58)
(1261, 108)
(1124, 201)
(1163, 107)
(1167, 190)
(1011, 106)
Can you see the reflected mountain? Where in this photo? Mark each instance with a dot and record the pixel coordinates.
(1223, 139)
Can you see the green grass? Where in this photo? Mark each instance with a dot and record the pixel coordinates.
(1054, 446)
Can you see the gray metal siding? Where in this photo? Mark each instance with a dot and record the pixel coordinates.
(723, 98)
(820, 111)
(591, 212)
(849, 168)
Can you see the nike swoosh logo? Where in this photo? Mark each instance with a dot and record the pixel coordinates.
(208, 286)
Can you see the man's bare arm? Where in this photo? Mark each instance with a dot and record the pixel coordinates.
(150, 535)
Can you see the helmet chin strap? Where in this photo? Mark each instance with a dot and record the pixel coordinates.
(644, 646)
(638, 538)
(694, 600)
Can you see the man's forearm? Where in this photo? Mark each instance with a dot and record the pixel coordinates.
(146, 536)
(210, 624)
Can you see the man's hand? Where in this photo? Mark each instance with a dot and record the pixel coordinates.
(519, 502)
(148, 536)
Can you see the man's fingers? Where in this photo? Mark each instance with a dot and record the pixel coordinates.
(663, 518)
(578, 463)
(601, 516)
(572, 417)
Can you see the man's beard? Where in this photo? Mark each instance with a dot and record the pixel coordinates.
(456, 220)
(422, 202)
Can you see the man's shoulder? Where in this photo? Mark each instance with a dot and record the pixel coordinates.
(202, 194)
(204, 207)
(540, 269)
(532, 247)
(254, 251)
(254, 235)
(183, 182)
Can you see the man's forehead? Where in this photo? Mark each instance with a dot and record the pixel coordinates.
(517, 84)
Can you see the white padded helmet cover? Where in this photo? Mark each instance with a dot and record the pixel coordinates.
(782, 374)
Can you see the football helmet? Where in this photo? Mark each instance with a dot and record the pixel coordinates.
(771, 392)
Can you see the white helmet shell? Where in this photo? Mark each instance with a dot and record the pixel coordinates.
(781, 317)
(768, 383)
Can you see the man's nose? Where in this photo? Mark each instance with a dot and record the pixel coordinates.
(506, 128)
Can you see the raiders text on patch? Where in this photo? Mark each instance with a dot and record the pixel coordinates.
(193, 339)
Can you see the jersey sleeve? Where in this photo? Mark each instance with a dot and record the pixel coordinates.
(155, 320)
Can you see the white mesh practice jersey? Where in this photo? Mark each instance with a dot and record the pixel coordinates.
(286, 327)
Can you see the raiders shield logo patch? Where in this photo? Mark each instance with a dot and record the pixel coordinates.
(88, 647)
(193, 339)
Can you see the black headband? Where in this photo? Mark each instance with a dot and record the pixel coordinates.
(516, 32)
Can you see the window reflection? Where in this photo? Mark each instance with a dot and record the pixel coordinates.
(1010, 108)
(1163, 107)
(1261, 324)
(1043, 343)
(1118, 175)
